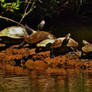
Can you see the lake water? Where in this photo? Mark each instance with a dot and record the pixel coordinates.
(71, 82)
(78, 32)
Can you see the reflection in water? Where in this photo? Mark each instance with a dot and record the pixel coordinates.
(71, 82)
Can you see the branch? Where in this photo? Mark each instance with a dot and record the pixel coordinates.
(8, 19)
(25, 12)
(30, 10)
(31, 7)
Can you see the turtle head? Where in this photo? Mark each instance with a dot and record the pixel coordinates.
(85, 42)
(41, 25)
(67, 37)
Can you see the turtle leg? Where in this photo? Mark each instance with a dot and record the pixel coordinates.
(21, 45)
(77, 52)
(37, 50)
(73, 49)
(52, 54)
(82, 54)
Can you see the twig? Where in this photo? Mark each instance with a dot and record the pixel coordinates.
(25, 12)
(8, 19)
(31, 7)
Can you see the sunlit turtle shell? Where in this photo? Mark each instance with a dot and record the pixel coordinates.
(46, 42)
(44, 45)
(87, 48)
(13, 32)
(58, 43)
(38, 37)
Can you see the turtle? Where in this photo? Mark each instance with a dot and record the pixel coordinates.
(44, 45)
(63, 45)
(41, 25)
(86, 49)
(12, 34)
(36, 37)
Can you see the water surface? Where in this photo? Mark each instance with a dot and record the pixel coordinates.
(71, 82)
(78, 32)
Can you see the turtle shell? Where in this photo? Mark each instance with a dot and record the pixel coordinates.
(46, 42)
(38, 37)
(15, 32)
(72, 43)
(87, 48)
(58, 43)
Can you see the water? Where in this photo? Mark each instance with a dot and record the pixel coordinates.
(71, 82)
(78, 32)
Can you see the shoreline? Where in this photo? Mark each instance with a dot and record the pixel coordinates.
(23, 61)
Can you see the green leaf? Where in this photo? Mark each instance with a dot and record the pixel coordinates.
(11, 10)
(8, 4)
(14, 4)
(16, 8)
(4, 5)
(17, 5)
(2, 1)
(18, 1)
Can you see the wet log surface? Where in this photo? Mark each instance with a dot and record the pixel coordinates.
(23, 61)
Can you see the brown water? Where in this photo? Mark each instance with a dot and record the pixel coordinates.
(71, 82)
(78, 32)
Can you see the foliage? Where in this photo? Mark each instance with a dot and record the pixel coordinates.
(22, 8)
(10, 6)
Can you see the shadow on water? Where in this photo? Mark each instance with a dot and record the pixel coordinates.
(71, 82)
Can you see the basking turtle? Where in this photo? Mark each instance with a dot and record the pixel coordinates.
(87, 49)
(36, 37)
(12, 34)
(63, 45)
(44, 45)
